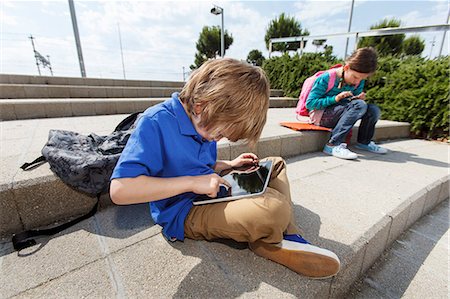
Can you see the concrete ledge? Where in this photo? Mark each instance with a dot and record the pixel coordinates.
(355, 208)
(50, 108)
(50, 80)
(33, 91)
(23, 141)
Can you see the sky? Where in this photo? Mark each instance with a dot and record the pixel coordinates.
(158, 38)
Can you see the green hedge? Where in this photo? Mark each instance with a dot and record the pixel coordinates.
(410, 89)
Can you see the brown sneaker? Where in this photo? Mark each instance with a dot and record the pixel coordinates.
(298, 255)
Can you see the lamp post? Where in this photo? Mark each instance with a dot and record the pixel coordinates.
(216, 10)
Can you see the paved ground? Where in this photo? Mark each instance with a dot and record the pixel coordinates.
(416, 266)
(355, 208)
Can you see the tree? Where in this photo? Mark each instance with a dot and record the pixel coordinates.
(208, 44)
(413, 45)
(318, 43)
(386, 44)
(284, 26)
(255, 57)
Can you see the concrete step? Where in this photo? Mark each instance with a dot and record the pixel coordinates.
(16, 109)
(52, 80)
(355, 208)
(415, 266)
(23, 140)
(31, 91)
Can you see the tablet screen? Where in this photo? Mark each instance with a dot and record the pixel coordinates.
(245, 181)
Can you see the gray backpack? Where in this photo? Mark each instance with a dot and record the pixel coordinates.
(84, 162)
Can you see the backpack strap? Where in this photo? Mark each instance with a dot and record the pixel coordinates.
(331, 80)
(25, 239)
(38, 160)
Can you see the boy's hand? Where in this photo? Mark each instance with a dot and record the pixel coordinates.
(244, 159)
(209, 184)
(343, 95)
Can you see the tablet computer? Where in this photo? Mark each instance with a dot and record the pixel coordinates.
(245, 181)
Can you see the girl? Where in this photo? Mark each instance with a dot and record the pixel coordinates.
(345, 104)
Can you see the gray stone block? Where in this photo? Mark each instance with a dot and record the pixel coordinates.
(399, 217)
(145, 92)
(59, 91)
(223, 151)
(36, 91)
(276, 93)
(103, 107)
(350, 271)
(97, 92)
(62, 202)
(377, 238)
(444, 193)
(28, 109)
(126, 106)
(82, 107)
(9, 217)
(417, 204)
(79, 92)
(114, 92)
(12, 91)
(58, 80)
(237, 148)
(291, 145)
(57, 108)
(432, 200)
(282, 102)
(313, 141)
(142, 105)
(129, 92)
(7, 110)
(269, 147)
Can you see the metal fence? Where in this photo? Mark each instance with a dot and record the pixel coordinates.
(359, 34)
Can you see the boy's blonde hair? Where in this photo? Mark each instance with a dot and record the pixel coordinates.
(234, 98)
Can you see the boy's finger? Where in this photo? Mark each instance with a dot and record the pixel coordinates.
(224, 182)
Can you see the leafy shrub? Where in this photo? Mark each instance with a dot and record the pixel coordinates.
(414, 90)
(288, 73)
(411, 89)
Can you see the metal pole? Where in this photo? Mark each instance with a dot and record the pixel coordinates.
(270, 47)
(222, 38)
(349, 27)
(184, 78)
(49, 65)
(35, 56)
(301, 47)
(432, 45)
(77, 38)
(121, 52)
(443, 36)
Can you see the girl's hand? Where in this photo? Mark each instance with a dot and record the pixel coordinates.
(244, 159)
(361, 96)
(208, 184)
(343, 95)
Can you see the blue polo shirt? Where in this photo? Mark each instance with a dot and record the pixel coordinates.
(165, 144)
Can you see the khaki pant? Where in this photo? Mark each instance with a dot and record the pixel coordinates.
(265, 217)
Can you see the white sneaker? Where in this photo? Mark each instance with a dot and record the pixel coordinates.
(340, 151)
(300, 256)
(371, 147)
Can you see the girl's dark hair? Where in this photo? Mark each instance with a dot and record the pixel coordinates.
(363, 60)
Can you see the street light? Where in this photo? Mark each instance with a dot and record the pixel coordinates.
(216, 10)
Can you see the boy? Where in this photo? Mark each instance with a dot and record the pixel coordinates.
(171, 158)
